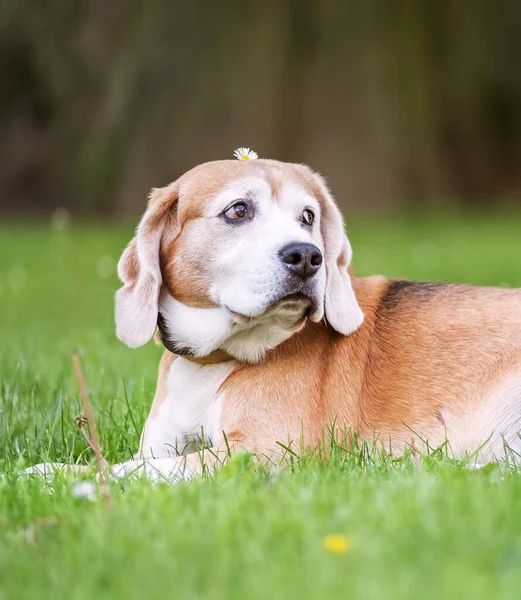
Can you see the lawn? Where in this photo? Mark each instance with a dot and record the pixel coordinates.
(427, 528)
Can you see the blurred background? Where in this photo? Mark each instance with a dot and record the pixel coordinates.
(401, 104)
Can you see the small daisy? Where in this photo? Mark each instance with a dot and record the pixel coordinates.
(245, 154)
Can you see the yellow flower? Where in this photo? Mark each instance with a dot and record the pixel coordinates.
(245, 154)
(337, 544)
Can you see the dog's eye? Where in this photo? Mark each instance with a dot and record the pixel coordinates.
(237, 211)
(308, 216)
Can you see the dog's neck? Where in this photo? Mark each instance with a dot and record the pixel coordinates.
(212, 335)
(214, 358)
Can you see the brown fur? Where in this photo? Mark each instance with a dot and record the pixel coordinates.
(422, 348)
(426, 353)
(182, 265)
(164, 366)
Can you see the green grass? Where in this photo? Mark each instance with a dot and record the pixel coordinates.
(434, 530)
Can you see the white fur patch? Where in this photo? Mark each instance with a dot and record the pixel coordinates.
(248, 274)
(494, 426)
(487, 432)
(190, 413)
(204, 330)
(157, 470)
(248, 278)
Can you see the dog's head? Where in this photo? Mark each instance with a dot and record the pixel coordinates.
(236, 255)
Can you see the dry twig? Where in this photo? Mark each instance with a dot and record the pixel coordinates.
(89, 421)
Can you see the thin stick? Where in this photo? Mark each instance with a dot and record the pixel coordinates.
(81, 422)
(101, 463)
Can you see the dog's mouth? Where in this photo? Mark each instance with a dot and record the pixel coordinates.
(293, 302)
(297, 304)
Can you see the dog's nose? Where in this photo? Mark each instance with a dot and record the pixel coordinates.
(301, 259)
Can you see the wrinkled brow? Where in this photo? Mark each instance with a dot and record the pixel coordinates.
(196, 193)
(275, 179)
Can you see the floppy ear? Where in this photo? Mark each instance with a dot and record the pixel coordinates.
(139, 270)
(342, 310)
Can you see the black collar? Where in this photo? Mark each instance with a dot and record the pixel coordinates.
(165, 339)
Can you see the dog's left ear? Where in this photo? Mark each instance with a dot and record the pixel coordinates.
(341, 308)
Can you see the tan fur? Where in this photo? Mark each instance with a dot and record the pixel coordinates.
(184, 268)
(164, 366)
(388, 380)
(426, 359)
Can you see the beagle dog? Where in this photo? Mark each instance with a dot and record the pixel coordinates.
(243, 269)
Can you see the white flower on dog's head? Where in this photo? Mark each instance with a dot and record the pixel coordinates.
(245, 154)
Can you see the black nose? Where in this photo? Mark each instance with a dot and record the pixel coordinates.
(301, 259)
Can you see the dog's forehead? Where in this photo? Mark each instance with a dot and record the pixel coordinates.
(202, 184)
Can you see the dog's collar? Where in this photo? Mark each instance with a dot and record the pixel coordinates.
(214, 358)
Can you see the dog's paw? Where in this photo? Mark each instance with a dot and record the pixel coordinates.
(157, 470)
(46, 470)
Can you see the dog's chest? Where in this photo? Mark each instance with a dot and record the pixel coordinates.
(191, 411)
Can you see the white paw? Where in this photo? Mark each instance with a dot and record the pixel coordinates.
(158, 470)
(169, 470)
(46, 470)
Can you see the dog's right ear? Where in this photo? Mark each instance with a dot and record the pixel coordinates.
(139, 269)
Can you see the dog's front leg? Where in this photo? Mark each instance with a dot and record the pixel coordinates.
(172, 469)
